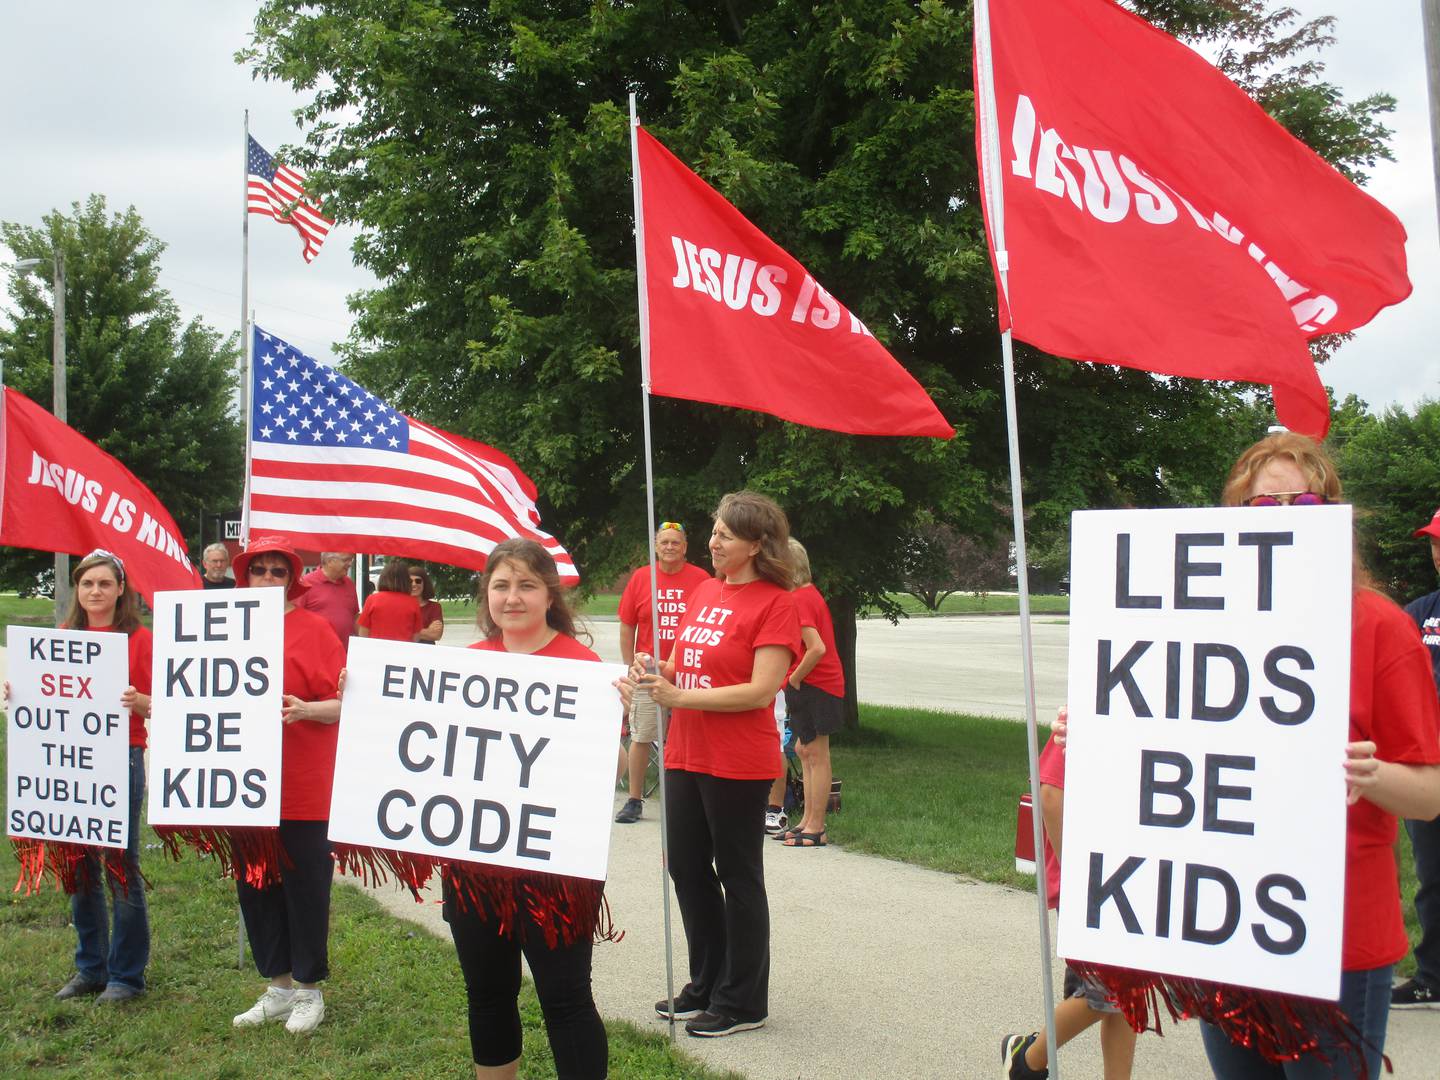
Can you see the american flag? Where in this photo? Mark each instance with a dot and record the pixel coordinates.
(334, 468)
(278, 191)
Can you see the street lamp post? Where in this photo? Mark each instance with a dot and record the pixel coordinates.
(62, 560)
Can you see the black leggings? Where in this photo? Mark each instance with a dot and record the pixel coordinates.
(289, 924)
(490, 963)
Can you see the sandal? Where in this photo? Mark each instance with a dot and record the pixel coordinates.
(785, 835)
(807, 840)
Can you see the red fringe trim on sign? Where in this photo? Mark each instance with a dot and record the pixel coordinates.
(374, 866)
(1278, 1027)
(566, 909)
(68, 865)
(252, 855)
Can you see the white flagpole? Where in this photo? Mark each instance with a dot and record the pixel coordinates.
(991, 177)
(245, 317)
(663, 714)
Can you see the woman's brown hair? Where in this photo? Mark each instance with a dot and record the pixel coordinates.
(534, 558)
(395, 577)
(427, 587)
(127, 604)
(755, 517)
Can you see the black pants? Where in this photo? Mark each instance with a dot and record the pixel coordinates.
(717, 838)
(289, 924)
(490, 963)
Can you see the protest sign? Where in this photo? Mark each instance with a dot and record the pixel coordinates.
(68, 738)
(1209, 710)
(477, 756)
(215, 709)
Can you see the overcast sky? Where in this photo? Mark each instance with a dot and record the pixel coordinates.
(144, 104)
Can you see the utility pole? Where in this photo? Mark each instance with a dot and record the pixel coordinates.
(1430, 15)
(62, 561)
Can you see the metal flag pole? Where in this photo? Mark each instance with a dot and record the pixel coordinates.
(1430, 21)
(246, 317)
(662, 713)
(990, 176)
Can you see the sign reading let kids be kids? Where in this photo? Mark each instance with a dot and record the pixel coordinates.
(1209, 710)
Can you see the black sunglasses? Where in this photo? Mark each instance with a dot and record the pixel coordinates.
(269, 571)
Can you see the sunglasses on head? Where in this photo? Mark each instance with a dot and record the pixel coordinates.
(672, 525)
(269, 571)
(1287, 498)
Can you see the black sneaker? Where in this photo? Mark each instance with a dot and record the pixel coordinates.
(631, 811)
(1413, 994)
(710, 1025)
(1012, 1059)
(687, 1006)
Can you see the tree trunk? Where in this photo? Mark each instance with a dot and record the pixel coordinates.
(842, 614)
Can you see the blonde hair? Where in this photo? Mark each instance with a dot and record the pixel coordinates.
(758, 518)
(799, 563)
(1307, 454)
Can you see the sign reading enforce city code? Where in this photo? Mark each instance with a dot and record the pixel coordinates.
(477, 756)
(1209, 700)
(215, 728)
(68, 739)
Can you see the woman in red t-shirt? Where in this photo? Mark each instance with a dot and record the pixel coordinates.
(522, 609)
(737, 638)
(115, 971)
(432, 616)
(288, 920)
(391, 612)
(1392, 770)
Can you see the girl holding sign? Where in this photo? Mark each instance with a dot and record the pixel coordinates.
(739, 635)
(287, 907)
(111, 962)
(495, 913)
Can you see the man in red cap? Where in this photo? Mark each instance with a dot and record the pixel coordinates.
(1423, 991)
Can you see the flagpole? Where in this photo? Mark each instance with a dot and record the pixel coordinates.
(990, 176)
(662, 713)
(245, 316)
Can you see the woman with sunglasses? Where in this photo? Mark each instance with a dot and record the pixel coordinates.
(391, 612)
(432, 616)
(1392, 770)
(285, 901)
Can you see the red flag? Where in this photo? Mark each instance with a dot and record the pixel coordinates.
(1156, 217)
(63, 493)
(735, 320)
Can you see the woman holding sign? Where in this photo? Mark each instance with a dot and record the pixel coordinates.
(495, 913)
(287, 907)
(739, 635)
(112, 953)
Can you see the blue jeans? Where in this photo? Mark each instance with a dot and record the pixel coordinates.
(1364, 998)
(115, 952)
(1425, 842)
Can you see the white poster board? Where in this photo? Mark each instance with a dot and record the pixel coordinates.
(1209, 711)
(215, 730)
(68, 737)
(478, 756)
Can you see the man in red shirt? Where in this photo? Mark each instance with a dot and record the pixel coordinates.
(331, 594)
(675, 578)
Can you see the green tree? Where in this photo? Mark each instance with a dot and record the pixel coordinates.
(483, 147)
(1392, 474)
(154, 392)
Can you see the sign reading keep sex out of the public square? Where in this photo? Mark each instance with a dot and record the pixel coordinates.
(68, 737)
(215, 728)
(477, 756)
(1209, 711)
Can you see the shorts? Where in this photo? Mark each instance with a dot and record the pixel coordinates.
(644, 721)
(813, 712)
(1078, 986)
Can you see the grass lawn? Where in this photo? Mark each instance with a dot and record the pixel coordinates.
(986, 604)
(940, 790)
(29, 612)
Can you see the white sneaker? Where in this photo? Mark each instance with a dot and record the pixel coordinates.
(274, 1004)
(308, 1011)
(775, 820)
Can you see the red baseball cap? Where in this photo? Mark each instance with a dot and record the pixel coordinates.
(1433, 529)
